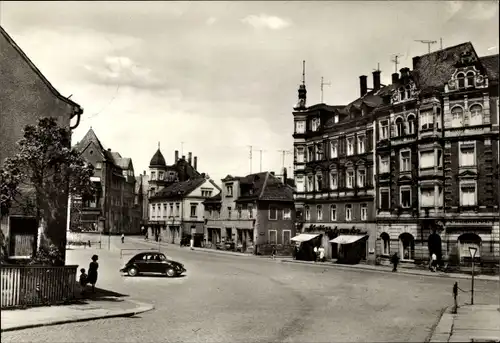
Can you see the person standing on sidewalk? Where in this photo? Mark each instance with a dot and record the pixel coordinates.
(395, 261)
(321, 252)
(92, 276)
(273, 252)
(123, 238)
(455, 295)
(433, 262)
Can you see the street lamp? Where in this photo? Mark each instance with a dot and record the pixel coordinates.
(472, 251)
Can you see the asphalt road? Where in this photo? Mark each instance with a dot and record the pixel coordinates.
(226, 298)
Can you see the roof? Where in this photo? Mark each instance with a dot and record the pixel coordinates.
(158, 160)
(264, 187)
(178, 189)
(54, 91)
(491, 63)
(90, 136)
(215, 199)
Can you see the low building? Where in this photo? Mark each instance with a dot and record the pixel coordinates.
(25, 96)
(252, 214)
(113, 209)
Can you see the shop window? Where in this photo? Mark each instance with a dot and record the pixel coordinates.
(385, 242)
(407, 246)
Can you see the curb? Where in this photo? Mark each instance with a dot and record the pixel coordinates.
(440, 337)
(143, 307)
(400, 271)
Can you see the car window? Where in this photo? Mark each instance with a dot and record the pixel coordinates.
(162, 257)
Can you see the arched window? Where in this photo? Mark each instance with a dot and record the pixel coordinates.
(319, 182)
(470, 79)
(333, 213)
(466, 241)
(461, 80)
(402, 94)
(385, 243)
(319, 212)
(307, 211)
(400, 130)
(411, 124)
(457, 114)
(407, 246)
(408, 92)
(476, 115)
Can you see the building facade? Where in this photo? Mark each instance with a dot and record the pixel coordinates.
(333, 170)
(25, 96)
(251, 214)
(113, 209)
(141, 198)
(437, 153)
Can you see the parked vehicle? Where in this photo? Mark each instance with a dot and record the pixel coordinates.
(153, 263)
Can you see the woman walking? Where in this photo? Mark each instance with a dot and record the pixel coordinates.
(92, 275)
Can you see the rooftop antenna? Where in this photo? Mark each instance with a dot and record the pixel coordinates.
(284, 152)
(182, 148)
(441, 43)
(260, 151)
(428, 42)
(250, 158)
(396, 61)
(304, 72)
(323, 84)
(378, 67)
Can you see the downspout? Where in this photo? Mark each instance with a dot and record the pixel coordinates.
(78, 112)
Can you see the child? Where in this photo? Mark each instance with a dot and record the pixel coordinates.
(83, 280)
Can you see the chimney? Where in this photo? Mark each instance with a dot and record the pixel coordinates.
(272, 173)
(376, 80)
(190, 157)
(195, 163)
(395, 78)
(176, 156)
(109, 149)
(416, 59)
(363, 86)
(144, 172)
(405, 72)
(183, 157)
(285, 176)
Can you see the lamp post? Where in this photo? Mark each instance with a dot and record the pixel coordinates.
(472, 251)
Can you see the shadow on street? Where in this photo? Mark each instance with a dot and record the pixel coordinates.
(99, 295)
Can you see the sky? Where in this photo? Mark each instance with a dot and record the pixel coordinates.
(214, 78)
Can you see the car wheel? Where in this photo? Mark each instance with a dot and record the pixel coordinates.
(132, 271)
(170, 272)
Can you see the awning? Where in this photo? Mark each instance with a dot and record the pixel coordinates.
(347, 239)
(304, 237)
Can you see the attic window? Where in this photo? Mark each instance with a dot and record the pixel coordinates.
(461, 80)
(91, 152)
(470, 79)
(402, 94)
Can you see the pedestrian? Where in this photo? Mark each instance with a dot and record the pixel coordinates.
(315, 254)
(273, 251)
(455, 294)
(83, 280)
(433, 262)
(321, 252)
(123, 238)
(92, 277)
(395, 261)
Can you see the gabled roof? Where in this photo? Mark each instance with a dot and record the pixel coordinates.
(54, 91)
(491, 64)
(90, 136)
(180, 189)
(264, 187)
(213, 200)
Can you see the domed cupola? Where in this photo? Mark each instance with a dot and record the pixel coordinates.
(158, 160)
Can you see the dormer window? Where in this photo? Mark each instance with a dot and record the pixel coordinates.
(402, 94)
(470, 79)
(461, 80)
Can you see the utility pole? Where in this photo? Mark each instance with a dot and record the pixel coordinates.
(323, 84)
(428, 42)
(260, 151)
(250, 156)
(396, 62)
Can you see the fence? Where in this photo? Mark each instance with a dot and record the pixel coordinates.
(36, 285)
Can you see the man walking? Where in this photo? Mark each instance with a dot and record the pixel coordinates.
(395, 261)
(455, 294)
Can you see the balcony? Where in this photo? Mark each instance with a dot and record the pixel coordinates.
(467, 131)
(430, 172)
(429, 133)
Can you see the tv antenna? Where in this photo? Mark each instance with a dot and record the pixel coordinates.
(323, 84)
(250, 156)
(284, 152)
(396, 61)
(182, 148)
(260, 151)
(428, 42)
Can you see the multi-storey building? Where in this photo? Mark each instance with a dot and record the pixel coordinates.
(141, 198)
(333, 169)
(251, 214)
(437, 154)
(112, 209)
(176, 195)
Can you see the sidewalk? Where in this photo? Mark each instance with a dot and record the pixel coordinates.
(472, 323)
(103, 304)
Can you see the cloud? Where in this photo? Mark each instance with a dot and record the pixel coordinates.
(211, 20)
(266, 21)
(473, 10)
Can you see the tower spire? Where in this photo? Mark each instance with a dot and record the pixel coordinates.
(301, 104)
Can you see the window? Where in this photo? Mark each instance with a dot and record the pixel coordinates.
(300, 126)
(400, 130)
(160, 175)
(98, 165)
(457, 116)
(333, 149)
(427, 197)
(364, 212)
(336, 118)
(361, 144)
(350, 146)
(300, 155)
(193, 209)
(333, 180)
(427, 159)
(467, 155)
(385, 200)
(206, 193)
(476, 115)
(361, 178)
(426, 120)
(319, 151)
(384, 164)
(319, 182)
(171, 209)
(348, 213)
(407, 246)
(153, 175)
(319, 212)
(229, 212)
(250, 211)
(411, 124)
(308, 213)
(299, 180)
(402, 93)
(287, 235)
(470, 79)
(177, 209)
(384, 129)
(350, 179)
(210, 213)
(333, 213)
(310, 153)
(287, 214)
(405, 161)
(405, 196)
(164, 210)
(310, 183)
(315, 124)
(239, 209)
(468, 194)
(229, 190)
(461, 80)
(273, 236)
(386, 244)
(273, 213)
